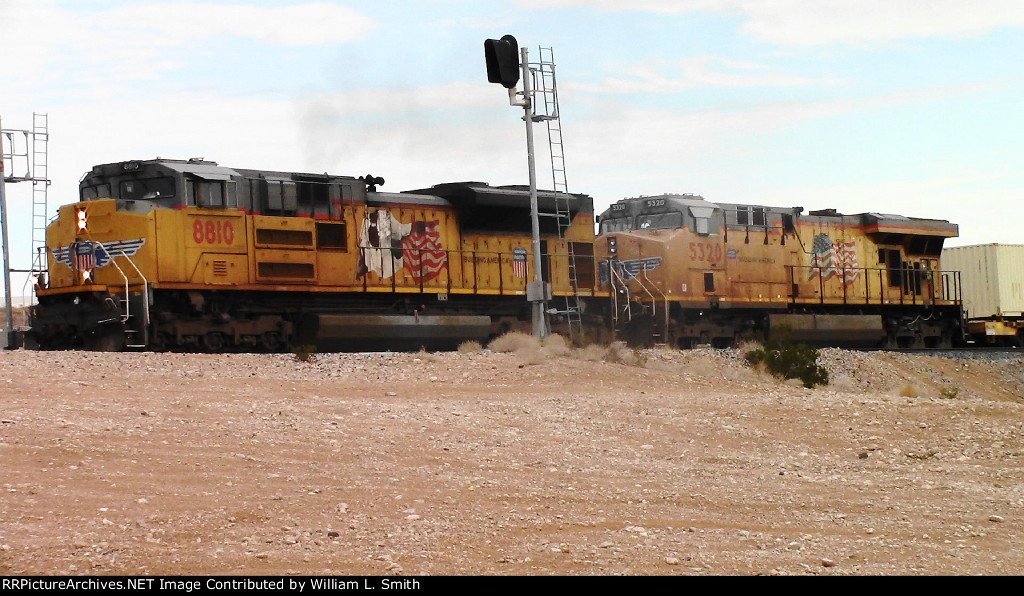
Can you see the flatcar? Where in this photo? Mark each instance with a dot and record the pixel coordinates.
(187, 254)
(682, 270)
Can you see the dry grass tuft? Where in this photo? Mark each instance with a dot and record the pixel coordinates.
(514, 341)
(556, 345)
(470, 347)
(591, 353)
(908, 391)
(616, 353)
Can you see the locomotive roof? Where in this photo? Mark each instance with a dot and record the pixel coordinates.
(205, 170)
(209, 170)
(472, 195)
(406, 198)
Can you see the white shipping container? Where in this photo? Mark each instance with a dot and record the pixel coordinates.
(991, 278)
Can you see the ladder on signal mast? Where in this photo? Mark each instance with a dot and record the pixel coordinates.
(40, 190)
(545, 102)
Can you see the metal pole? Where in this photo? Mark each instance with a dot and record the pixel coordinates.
(9, 327)
(540, 300)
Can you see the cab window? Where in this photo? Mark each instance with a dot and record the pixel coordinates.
(147, 189)
(659, 221)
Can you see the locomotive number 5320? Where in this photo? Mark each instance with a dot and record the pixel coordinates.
(213, 231)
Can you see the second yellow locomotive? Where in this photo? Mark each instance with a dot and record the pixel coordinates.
(683, 270)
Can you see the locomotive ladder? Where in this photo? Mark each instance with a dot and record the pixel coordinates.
(647, 304)
(545, 103)
(136, 336)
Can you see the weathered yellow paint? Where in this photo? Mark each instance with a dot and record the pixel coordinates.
(194, 249)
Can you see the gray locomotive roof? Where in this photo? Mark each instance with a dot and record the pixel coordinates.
(205, 171)
(406, 198)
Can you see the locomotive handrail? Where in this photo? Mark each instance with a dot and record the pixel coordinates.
(664, 297)
(127, 284)
(613, 275)
(910, 291)
(474, 259)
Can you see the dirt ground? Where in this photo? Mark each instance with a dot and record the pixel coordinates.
(482, 463)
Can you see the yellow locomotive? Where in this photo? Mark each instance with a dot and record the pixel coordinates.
(174, 254)
(683, 270)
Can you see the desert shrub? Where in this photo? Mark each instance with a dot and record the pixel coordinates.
(470, 347)
(908, 390)
(304, 353)
(618, 353)
(555, 345)
(591, 353)
(786, 359)
(949, 392)
(514, 341)
(530, 356)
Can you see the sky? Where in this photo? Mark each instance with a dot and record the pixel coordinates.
(912, 107)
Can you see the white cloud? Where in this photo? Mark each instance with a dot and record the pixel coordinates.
(799, 23)
(819, 22)
(48, 47)
(176, 23)
(452, 95)
(697, 72)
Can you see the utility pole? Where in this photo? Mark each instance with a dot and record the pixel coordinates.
(9, 322)
(503, 67)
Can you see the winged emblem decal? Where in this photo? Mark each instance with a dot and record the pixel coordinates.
(88, 254)
(631, 268)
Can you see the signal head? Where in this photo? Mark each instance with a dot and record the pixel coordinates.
(502, 58)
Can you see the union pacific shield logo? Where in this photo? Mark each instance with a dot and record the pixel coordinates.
(88, 254)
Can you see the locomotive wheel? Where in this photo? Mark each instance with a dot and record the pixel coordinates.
(270, 341)
(639, 332)
(108, 338)
(213, 341)
(158, 342)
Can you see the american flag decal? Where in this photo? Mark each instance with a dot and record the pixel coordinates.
(831, 259)
(519, 262)
(424, 254)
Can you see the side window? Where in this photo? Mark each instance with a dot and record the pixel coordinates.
(758, 216)
(206, 193)
(231, 198)
(750, 216)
